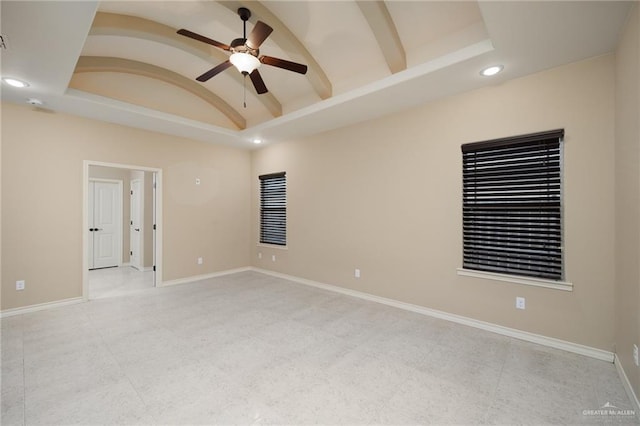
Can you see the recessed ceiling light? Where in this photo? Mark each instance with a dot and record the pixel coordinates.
(492, 70)
(257, 141)
(15, 82)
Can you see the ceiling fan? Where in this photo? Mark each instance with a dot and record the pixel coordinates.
(245, 53)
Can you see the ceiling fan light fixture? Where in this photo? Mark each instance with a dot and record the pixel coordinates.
(492, 70)
(244, 62)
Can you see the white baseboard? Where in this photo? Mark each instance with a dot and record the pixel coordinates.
(506, 331)
(627, 386)
(204, 276)
(40, 307)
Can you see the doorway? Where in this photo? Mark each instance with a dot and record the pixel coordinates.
(139, 260)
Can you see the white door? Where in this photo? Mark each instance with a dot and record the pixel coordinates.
(136, 224)
(105, 224)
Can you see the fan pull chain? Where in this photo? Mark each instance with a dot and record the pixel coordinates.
(244, 90)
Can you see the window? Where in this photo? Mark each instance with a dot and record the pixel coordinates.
(273, 209)
(512, 205)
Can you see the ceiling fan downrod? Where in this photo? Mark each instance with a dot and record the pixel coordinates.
(245, 14)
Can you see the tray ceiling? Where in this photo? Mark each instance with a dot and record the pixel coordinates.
(122, 61)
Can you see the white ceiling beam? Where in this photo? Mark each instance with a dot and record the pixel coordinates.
(126, 66)
(385, 32)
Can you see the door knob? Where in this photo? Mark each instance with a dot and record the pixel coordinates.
(137, 229)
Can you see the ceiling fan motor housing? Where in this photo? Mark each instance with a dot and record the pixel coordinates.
(239, 45)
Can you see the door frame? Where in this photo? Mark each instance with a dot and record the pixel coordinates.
(120, 225)
(157, 278)
(142, 224)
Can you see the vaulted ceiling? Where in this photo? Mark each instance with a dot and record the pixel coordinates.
(123, 61)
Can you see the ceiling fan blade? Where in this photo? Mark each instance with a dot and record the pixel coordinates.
(281, 63)
(258, 83)
(214, 71)
(203, 39)
(259, 34)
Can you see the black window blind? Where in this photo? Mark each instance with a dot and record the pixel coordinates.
(273, 209)
(512, 205)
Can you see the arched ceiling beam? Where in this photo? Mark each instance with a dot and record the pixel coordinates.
(114, 24)
(108, 64)
(284, 38)
(379, 19)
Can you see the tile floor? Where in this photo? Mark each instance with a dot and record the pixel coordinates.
(110, 282)
(253, 349)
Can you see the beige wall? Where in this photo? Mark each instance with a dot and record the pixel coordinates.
(385, 197)
(42, 173)
(627, 174)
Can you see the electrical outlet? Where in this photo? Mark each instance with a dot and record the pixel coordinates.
(519, 302)
(636, 356)
(273, 257)
(357, 273)
(197, 181)
(199, 261)
(20, 285)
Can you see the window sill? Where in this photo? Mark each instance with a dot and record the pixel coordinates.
(556, 285)
(273, 246)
